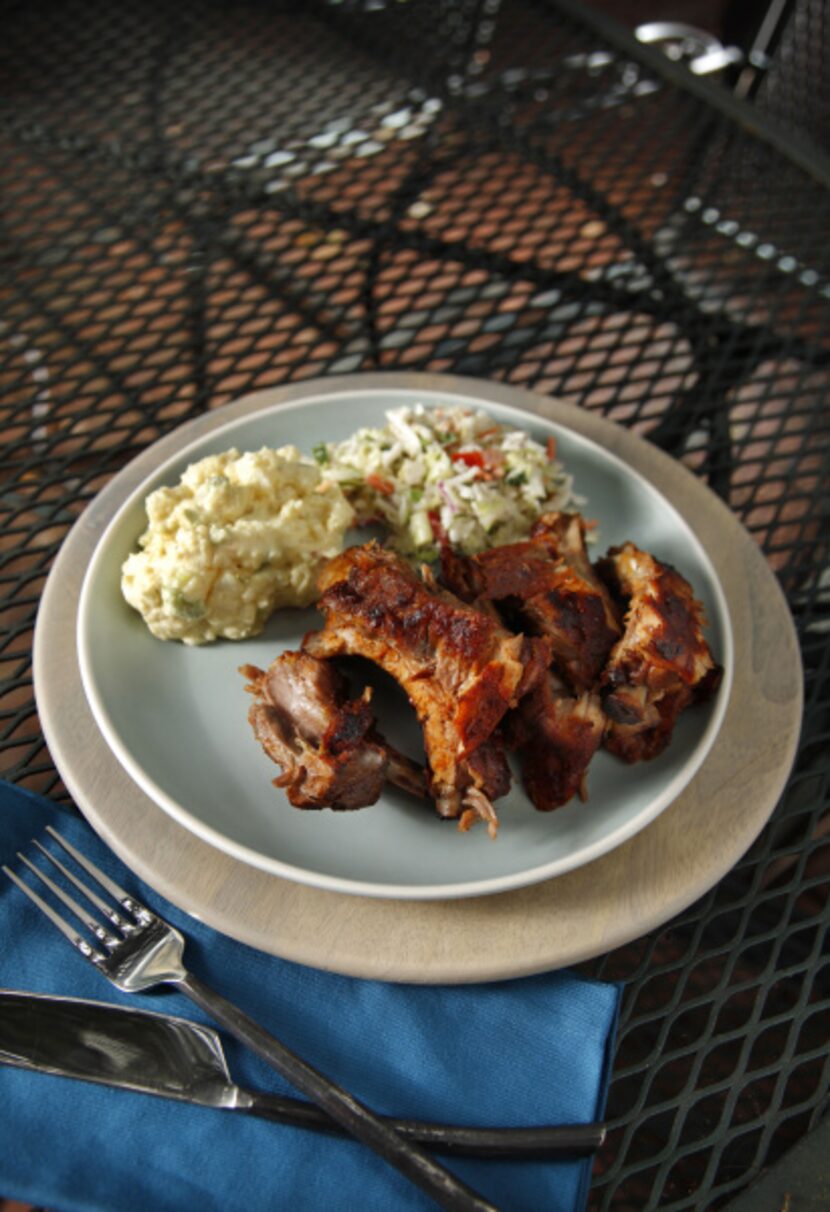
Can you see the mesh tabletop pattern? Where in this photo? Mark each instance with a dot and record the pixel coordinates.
(794, 87)
(200, 200)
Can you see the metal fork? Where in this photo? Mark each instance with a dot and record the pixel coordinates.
(142, 951)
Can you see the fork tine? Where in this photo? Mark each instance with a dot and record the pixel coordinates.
(109, 913)
(76, 939)
(115, 890)
(101, 933)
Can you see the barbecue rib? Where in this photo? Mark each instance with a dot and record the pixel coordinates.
(460, 669)
(555, 734)
(662, 663)
(547, 585)
(327, 745)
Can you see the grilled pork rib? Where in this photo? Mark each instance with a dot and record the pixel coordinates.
(573, 679)
(547, 585)
(556, 734)
(326, 743)
(460, 669)
(662, 663)
(577, 613)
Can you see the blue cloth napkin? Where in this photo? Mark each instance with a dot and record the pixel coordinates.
(517, 1052)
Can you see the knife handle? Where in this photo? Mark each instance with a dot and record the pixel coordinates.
(544, 1142)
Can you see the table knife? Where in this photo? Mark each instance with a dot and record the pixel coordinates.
(153, 1053)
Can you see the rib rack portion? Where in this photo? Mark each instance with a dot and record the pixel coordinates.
(460, 668)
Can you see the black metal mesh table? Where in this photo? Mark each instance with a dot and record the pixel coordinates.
(203, 199)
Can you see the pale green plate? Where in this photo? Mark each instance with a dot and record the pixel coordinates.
(176, 717)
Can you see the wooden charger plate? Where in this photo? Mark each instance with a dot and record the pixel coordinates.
(582, 913)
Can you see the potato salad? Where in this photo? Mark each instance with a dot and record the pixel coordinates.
(240, 535)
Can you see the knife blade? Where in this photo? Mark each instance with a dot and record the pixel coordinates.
(152, 1053)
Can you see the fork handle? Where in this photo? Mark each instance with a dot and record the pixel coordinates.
(445, 1188)
(540, 1142)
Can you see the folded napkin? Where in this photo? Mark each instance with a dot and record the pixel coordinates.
(511, 1052)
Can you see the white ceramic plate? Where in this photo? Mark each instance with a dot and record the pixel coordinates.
(176, 717)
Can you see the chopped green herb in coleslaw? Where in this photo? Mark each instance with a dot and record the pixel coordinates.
(447, 475)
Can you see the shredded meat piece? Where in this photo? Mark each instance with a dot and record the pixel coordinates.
(327, 745)
(460, 669)
(662, 663)
(548, 586)
(556, 734)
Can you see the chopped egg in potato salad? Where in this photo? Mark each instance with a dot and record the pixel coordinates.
(239, 536)
(447, 475)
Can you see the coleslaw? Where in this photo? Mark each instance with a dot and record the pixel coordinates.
(447, 476)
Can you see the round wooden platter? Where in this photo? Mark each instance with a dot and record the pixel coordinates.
(583, 913)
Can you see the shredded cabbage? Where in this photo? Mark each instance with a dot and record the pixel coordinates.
(447, 475)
